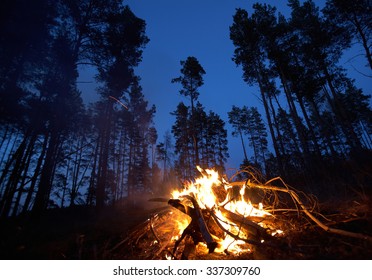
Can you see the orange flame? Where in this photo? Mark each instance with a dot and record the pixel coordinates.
(203, 191)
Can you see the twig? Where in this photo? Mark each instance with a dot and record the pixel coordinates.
(153, 230)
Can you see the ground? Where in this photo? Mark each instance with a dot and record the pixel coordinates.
(71, 233)
(122, 233)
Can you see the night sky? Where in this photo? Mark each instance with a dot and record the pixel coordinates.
(178, 29)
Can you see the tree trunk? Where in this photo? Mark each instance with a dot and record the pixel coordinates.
(43, 192)
(103, 158)
(359, 29)
(269, 121)
(244, 150)
(341, 114)
(93, 176)
(294, 115)
(12, 182)
(324, 126)
(27, 159)
(194, 134)
(276, 126)
(309, 126)
(35, 176)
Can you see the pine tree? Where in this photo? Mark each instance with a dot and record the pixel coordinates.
(250, 54)
(237, 118)
(164, 153)
(122, 41)
(356, 17)
(191, 79)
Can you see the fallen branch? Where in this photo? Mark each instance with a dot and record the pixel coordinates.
(298, 201)
(236, 237)
(250, 227)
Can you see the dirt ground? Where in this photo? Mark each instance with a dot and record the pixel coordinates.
(124, 233)
(71, 233)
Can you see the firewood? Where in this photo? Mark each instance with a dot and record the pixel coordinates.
(211, 244)
(197, 224)
(302, 208)
(254, 230)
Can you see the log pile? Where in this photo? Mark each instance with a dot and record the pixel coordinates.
(291, 217)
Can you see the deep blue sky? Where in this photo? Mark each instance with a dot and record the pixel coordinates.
(200, 28)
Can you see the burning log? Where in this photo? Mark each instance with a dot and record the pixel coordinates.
(211, 244)
(254, 230)
(197, 224)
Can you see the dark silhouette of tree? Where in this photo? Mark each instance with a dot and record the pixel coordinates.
(356, 16)
(63, 105)
(323, 44)
(121, 42)
(24, 52)
(50, 144)
(184, 148)
(24, 39)
(302, 53)
(215, 142)
(191, 79)
(250, 123)
(237, 118)
(250, 54)
(164, 154)
(139, 168)
(212, 140)
(257, 136)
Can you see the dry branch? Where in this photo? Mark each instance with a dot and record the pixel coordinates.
(293, 194)
(250, 227)
(235, 236)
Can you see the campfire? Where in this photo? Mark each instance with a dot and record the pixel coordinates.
(212, 217)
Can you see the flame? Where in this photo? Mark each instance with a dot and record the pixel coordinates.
(204, 190)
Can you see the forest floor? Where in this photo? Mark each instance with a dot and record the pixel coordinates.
(81, 233)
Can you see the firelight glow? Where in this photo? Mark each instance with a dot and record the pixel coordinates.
(204, 189)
